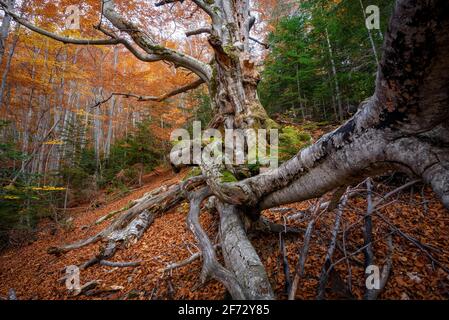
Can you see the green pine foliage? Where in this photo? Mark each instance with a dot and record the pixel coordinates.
(23, 202)
(298, 77)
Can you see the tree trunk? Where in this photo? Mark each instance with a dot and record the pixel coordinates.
(4, 30)
(402, 127)
(334, 72)
(7, 68)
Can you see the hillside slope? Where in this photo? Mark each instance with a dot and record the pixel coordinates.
(34, 274)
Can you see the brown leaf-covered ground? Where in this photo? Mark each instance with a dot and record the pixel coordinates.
(34, 274)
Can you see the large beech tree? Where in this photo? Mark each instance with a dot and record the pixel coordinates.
(402, 127)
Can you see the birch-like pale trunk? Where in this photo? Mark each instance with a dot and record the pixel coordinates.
(4, 30)
(107, 147)
(370, 36)
(8, 67)
(334, 73)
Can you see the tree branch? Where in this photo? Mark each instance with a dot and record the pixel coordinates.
(198, 31)
(55, 36)
(157, 52)
(408, 101)
(263, 44)
(211, 266)
(163, 97)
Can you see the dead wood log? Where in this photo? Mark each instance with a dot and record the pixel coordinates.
(125, 226)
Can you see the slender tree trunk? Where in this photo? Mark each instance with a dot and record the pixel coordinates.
(370, 36)
(107, 148)
(8, 66)
(299, 93)
(334, 71)
(4, 30)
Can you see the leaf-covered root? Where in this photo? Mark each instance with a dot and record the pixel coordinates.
(130, 225)
(211, 266)
(240, 256)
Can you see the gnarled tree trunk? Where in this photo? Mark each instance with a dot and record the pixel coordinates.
(402, 127)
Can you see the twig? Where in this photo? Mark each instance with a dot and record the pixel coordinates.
(415, 242)
(299, 270)
(331, 249)
(185, 262)
(286, 269)
(368, 227)
(120, 264)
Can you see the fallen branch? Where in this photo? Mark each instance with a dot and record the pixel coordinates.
(120, 264)
(118, 229)
(185, 262)
(285, 266)
(386, 271)
(299, 270)
(331, 249)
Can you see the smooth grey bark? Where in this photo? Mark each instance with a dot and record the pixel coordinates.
(7, 67)
(112, 105)
(4, 30)
(240, 256)
(334, 73)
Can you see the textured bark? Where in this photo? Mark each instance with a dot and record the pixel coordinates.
(131, 223)
(211, 266)
(235, 78)
(4, 29)
(403, 126)
(240, 256)
(397, 129)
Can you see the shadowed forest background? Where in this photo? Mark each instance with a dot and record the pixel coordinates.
(71, 154)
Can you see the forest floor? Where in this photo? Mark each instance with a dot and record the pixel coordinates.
(33, 273)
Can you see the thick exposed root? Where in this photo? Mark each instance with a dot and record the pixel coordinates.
(240, 256)
(211, 266)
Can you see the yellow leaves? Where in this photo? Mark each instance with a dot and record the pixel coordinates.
(54, 142)
(7, 197)
(48, 188)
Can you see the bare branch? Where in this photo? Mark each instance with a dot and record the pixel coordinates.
(198, 31)
(165, 96)
(156, 51)
(115, 264)
(185, 262)
(55, 36)
(299, 270)
(208, 9)
(200, 3)
(263, 44)
(331, 249)
(211, 266)
(164, 2)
